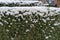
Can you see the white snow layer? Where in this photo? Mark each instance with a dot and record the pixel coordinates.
(40, 10)
(10, 1)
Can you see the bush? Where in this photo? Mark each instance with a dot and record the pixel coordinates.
(32, 26)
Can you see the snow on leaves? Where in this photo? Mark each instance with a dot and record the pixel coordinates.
(26, 22)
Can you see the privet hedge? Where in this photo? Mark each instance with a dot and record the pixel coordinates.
(29, 27)
(19, 4)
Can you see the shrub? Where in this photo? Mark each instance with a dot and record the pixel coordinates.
(27, 26)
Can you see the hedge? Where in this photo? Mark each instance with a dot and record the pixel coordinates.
(25, 26)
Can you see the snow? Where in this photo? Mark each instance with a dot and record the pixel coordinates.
(52, 27)
(46, 15)
(15, 0)
(42, 11)
(1, 23)
(10, 23)
(44, 20)
(26, 21)
(43, 31)
(27, 30)
(18, 19)
(9, 26)
(12, 38)
(46, 37)
(7, 30)
(5, 21)
(56, 24)
(53, 19)
(17, 9)
(48, 18)
(20, 2)
(32, 25)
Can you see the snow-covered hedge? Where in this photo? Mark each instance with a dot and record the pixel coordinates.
(29, 23)
(21, 3)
